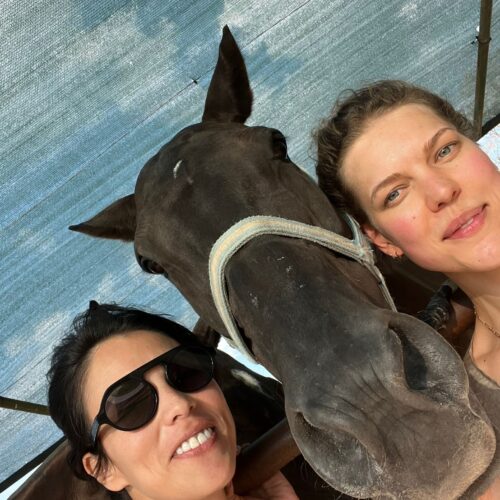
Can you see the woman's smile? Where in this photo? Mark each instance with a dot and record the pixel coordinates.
(197, 444)
(466, 225)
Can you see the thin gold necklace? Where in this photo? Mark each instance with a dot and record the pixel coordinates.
(490, 328)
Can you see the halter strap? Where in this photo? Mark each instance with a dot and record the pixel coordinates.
(243, 231)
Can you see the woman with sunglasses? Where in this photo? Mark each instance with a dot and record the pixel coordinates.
(134, 394)
(403, 161)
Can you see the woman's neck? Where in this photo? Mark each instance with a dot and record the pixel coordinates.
(484, 291)
(218, 495)
(226, 494)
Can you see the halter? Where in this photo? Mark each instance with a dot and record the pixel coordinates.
(243, 231)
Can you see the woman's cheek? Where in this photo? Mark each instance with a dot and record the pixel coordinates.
(405, 231)
(479, 162)
(487, 255)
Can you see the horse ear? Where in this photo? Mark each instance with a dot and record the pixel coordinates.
(229, 97)
(116, 222)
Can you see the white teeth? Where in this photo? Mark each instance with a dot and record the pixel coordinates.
(194, 441)
(468, 223)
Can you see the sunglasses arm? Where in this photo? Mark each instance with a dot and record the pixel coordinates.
(263, 458)
(93, 432)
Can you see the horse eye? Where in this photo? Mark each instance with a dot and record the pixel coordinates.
(150, 266)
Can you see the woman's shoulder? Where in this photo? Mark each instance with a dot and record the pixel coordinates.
(487, 393)
(485, 389)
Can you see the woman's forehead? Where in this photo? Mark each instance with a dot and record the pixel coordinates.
(405, 120)
(388, 138)
(133, 346)
(117, 356)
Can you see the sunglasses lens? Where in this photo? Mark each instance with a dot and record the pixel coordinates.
(190, 369)
(131, 404)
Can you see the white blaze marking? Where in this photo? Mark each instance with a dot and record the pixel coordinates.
(176, 168)
(247, 379)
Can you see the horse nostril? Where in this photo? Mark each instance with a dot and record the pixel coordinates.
(413, 361)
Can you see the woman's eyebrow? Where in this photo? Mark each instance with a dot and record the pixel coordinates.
(388, 180)
(429, 145)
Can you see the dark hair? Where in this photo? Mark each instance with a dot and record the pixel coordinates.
(69, 364)
(348, 119)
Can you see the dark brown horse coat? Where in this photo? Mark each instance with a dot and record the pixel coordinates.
(378, 402)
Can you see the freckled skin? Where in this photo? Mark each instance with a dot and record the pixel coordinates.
(141, 460)
(433, 188)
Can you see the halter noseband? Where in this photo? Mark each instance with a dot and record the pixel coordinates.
(243, 231)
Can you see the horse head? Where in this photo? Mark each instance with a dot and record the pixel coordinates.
(377, 402)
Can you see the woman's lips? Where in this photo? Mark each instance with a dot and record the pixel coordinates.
(196, 444)
(468, 224)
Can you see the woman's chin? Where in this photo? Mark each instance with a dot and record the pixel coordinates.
(209, 472)
(193, 484)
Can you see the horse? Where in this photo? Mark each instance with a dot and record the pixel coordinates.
(378, 402)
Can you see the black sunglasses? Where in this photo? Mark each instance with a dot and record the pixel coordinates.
(132, 401)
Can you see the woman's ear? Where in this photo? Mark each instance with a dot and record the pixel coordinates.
(381, 242)
(109, 476)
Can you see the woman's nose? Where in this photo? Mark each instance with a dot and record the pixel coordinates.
(173, 405)
(440, 191)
